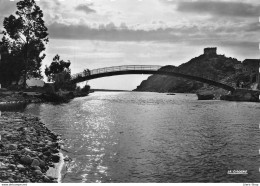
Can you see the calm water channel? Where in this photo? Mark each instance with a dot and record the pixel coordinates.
(153, 137)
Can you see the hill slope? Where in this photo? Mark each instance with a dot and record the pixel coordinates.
(216, 67)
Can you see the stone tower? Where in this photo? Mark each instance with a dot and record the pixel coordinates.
(210, 51)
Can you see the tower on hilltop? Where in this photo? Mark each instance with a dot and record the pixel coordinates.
(210, 51)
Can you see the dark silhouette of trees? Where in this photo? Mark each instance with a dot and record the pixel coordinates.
(25, 37)
(57, 66)
(11, 65)
(60, 73)
(86, 89)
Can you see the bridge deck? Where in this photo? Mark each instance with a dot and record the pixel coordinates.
(142, 69)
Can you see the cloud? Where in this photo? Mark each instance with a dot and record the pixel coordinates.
(85, 8)
(109, 32)
(6, 8)
(253, 27)
(236, 9)
(242, 35)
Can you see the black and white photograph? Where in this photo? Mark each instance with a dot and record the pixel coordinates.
(129, 91)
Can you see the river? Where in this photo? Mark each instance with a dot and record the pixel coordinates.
(154, 137)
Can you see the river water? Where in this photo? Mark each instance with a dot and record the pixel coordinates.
(154, 137)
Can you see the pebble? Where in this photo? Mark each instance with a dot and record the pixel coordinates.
(47, 153)
(12, 166)
(11, 180)
(51, 177)
(27, 181)
(55, 151)
(37, 168)
(35, 162)
(42, 163)
(55, 158)
(12, 147)
(46, 179)
(26, 149)
(26, 159)
(20, 167)
(38, 172)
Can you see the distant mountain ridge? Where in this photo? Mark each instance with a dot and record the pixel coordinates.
(211, 65)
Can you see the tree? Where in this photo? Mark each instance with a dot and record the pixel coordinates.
(57, 66)
(60, 73)
(26, 35)
(10, 65)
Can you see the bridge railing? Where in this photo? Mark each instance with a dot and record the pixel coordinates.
(153, 68)
(115, 69)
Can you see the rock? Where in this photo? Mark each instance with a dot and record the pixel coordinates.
(35, 162)
(26, 160)
(1, 146)
(27, 150)
(55, 151)
(48, 142)
(12, 166)
(27, 181)
(11, 180)
(12, 147)
(20, 167)
(51, 177)
(46, 179)
(37, 168)
(47, 153)
(67, 159)
(3, 167)
(55, 158)
(4, 153)
(42, 163)
(38, 172)
(205, 96)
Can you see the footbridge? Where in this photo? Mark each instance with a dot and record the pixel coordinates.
(141, 69)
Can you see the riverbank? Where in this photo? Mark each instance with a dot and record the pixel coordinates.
(28, 149)
(13, 98)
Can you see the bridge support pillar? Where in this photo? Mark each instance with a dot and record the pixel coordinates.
(242, 95)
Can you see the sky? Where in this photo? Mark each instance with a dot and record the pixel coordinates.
(101, 33)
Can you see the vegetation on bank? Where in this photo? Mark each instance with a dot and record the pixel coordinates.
(22, 52)
(23, 44)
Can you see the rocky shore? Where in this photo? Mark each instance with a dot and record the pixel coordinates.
(27, 149)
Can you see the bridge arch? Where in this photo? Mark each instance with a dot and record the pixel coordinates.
(141, 69)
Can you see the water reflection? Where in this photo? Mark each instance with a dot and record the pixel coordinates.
(150, 137)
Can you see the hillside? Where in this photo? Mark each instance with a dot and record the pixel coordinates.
(216, 67)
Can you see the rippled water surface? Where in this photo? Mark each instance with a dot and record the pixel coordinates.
(152, 137)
